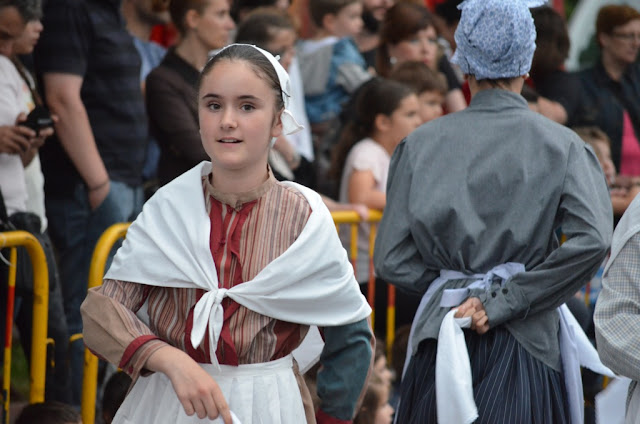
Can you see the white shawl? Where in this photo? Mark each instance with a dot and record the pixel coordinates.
(311, 283)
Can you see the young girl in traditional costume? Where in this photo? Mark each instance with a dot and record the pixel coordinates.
(473, 202)
(224, 271)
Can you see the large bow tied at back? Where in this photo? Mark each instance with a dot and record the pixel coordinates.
(495, 38)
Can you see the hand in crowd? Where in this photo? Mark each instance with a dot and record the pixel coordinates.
(361, 210)
(15, 139)
(473, 308)
(98, 193)
(196, 389)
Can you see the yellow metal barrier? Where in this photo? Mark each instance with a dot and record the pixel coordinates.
(96, 272)
(118, 231)
(352, 219)
(37, 372)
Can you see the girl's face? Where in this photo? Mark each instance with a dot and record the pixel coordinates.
(430, 105)
(283, 44)
(213, 26)
(422, 47)
(29, 38)
(405, 118)
(237, 115)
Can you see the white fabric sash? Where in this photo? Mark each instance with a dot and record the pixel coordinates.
(454, 387)
(311, 283)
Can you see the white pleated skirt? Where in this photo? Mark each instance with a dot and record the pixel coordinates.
(265, 393)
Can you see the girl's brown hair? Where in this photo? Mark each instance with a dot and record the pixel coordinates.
(258, 62)
(420, 77)
(178, 10)
(378, 96)
(612, 16)
(401, 22)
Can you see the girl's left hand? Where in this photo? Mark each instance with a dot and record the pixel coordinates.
(473, 308)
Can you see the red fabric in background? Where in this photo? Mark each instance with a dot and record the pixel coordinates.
(165, 35)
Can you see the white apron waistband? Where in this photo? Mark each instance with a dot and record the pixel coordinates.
(245, 370)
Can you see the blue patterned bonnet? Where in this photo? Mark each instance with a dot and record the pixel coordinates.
(495, 38)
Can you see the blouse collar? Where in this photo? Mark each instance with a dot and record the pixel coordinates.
(237, 200)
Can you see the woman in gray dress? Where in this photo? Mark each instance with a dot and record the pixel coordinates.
(474, 200)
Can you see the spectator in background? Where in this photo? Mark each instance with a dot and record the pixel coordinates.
(114, 393)
(90, 70)
(204, 25)
(49, 413)
(385, 112)
(375, 408)
(409, 34)
(141, 16)
(429, 85)
(622, 189)
(559, 91)
(332, 67)
(272, 30)
(57, 381)
(447, 16)
(279, 33)
(368, 39)
(240, 9)
(611, 89)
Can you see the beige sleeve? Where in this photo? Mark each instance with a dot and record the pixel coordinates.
(111, 328)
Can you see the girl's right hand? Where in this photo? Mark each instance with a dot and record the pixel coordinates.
(197, 391)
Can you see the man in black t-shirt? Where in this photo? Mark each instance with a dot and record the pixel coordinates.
(90, 72)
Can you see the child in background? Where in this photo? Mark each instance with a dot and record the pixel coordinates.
(271, 29)
(375, 408)
(429, 85)
(331, 65)
(622, 189)
(385, 112)
(50, 412)
(380, 366)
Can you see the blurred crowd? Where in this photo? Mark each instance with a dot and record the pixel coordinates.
(98, 110)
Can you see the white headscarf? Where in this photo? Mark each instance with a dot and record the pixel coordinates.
(289, 123)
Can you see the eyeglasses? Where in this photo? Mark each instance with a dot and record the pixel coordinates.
(626, 36)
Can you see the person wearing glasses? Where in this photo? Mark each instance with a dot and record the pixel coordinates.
(611, 89)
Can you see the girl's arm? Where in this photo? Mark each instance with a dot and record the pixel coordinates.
(362, 189)
(197, 391)
(347, 361)
(113, 331)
